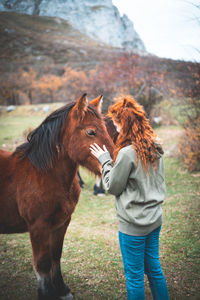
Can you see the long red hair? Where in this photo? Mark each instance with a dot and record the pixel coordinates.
(135, 131)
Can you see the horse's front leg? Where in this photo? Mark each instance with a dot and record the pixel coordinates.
(40, 239)
(56, 242)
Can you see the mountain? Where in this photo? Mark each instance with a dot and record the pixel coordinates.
(98, 19)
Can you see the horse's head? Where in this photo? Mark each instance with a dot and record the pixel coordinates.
(85, 126)
(67, 131)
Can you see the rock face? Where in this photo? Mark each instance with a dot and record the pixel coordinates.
(99, 19)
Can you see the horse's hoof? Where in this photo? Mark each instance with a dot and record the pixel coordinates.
(67, 297)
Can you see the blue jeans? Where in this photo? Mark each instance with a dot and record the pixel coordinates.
(140, 255)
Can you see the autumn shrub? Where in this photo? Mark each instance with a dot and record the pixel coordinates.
(165, 112)
(190, 140)
(126, 76)
(148, 79)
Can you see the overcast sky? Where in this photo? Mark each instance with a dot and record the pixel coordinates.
(168, 28)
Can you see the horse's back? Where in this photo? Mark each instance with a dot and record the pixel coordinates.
(10, 219)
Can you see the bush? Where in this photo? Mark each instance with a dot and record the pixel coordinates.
(190, 141)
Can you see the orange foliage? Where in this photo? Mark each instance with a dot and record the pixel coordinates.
(48, 85)
(74, 83)
(190, 148)
(126, 74)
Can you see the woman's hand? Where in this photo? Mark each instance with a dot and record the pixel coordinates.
(97, 151)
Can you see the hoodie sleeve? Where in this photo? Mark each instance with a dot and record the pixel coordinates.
(115, 176)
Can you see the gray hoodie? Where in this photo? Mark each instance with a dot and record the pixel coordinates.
(138, 194)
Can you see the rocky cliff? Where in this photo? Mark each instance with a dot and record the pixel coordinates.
(99, 19)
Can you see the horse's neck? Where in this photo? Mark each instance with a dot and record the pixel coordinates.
(66, 169)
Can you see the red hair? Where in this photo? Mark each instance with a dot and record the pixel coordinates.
(135, 130)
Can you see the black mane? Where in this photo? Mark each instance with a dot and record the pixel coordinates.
(43, 142)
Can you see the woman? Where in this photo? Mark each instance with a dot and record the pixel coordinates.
(136, 177)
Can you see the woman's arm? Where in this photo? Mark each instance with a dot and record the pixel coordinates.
(115, 176)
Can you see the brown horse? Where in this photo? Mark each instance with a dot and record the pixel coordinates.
(39, 188)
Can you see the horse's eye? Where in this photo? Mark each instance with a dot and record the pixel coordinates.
(90, 132)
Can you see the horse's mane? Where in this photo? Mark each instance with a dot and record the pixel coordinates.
(44, 142)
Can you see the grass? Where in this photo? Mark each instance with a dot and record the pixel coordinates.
(180, 241)
(15, 124)
(91, 260)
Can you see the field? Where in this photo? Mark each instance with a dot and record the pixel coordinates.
(91, 260)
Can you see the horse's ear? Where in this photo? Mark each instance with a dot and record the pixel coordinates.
(80, 107)
(97, 102)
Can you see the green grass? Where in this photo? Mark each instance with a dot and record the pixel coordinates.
(91, 260)
(180, 243)
(13, 126)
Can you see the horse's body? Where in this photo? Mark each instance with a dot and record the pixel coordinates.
(39, 189)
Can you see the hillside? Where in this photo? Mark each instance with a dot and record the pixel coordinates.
(40, 41)
(32, 46)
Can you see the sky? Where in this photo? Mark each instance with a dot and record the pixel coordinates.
(168, 28)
